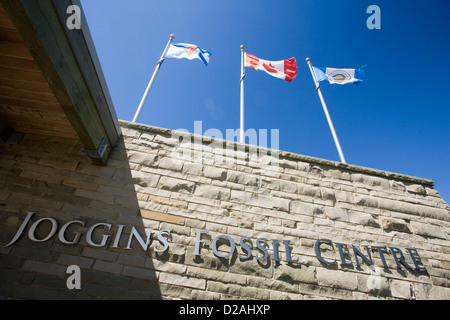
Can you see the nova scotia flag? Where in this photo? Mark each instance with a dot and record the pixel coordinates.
(188, 51)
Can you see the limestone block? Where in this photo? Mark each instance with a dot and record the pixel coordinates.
(416, 188)
(328, 194)
(170, 164)
(366, 201)
(338, 174)
(274, 203)
(393, 224)
(144, 179)
(338, 214)
(398, 185)
(130, 133)
(192, 168)
(362, 219)
(207, 260)
(424, 291)
(401, 289)
(252, 266)
(163, 217)
(212, 192)
(140, 273)
(233, 291)
(270, 183)
(247, 198)
(287, 163)
(176, 185)
(44, 267)
(433, 212)
(307, 190)
(243, 178)
(427, 230)
(399, 206)
(215, 173)
(145, 159)
(182, 281)
(337, 279)
(277, 295)
(289, 223)
(287, 186)
(209, 274)
(374, 284)
(371, 181)
(166, 140)
(306, 208)
(295, 273)
(165, 266)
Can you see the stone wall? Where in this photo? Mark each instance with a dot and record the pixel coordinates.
(201, 196)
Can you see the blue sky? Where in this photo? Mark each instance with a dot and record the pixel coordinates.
(397, 120)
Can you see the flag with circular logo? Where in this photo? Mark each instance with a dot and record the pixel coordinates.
(339, 76)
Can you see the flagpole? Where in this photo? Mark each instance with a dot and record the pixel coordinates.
(242, 137)
(325, 109)
(150, 84)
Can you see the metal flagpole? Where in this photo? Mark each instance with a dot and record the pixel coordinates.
(242, 137)
(150, 84)
(330, 123)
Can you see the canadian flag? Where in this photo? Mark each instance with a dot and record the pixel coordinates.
(284, 69)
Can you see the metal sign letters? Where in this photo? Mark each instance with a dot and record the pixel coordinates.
(101, 235)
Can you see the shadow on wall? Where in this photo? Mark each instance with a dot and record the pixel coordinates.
(57, 210)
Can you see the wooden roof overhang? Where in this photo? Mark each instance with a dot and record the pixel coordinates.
(51, 81)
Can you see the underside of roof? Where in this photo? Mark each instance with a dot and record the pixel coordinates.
(51, 82)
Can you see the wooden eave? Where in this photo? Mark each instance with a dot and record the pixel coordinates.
(51, 81)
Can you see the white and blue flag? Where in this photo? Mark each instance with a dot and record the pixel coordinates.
(339, 76)
(188, 51)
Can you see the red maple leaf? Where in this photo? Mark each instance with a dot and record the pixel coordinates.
(270, 68)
